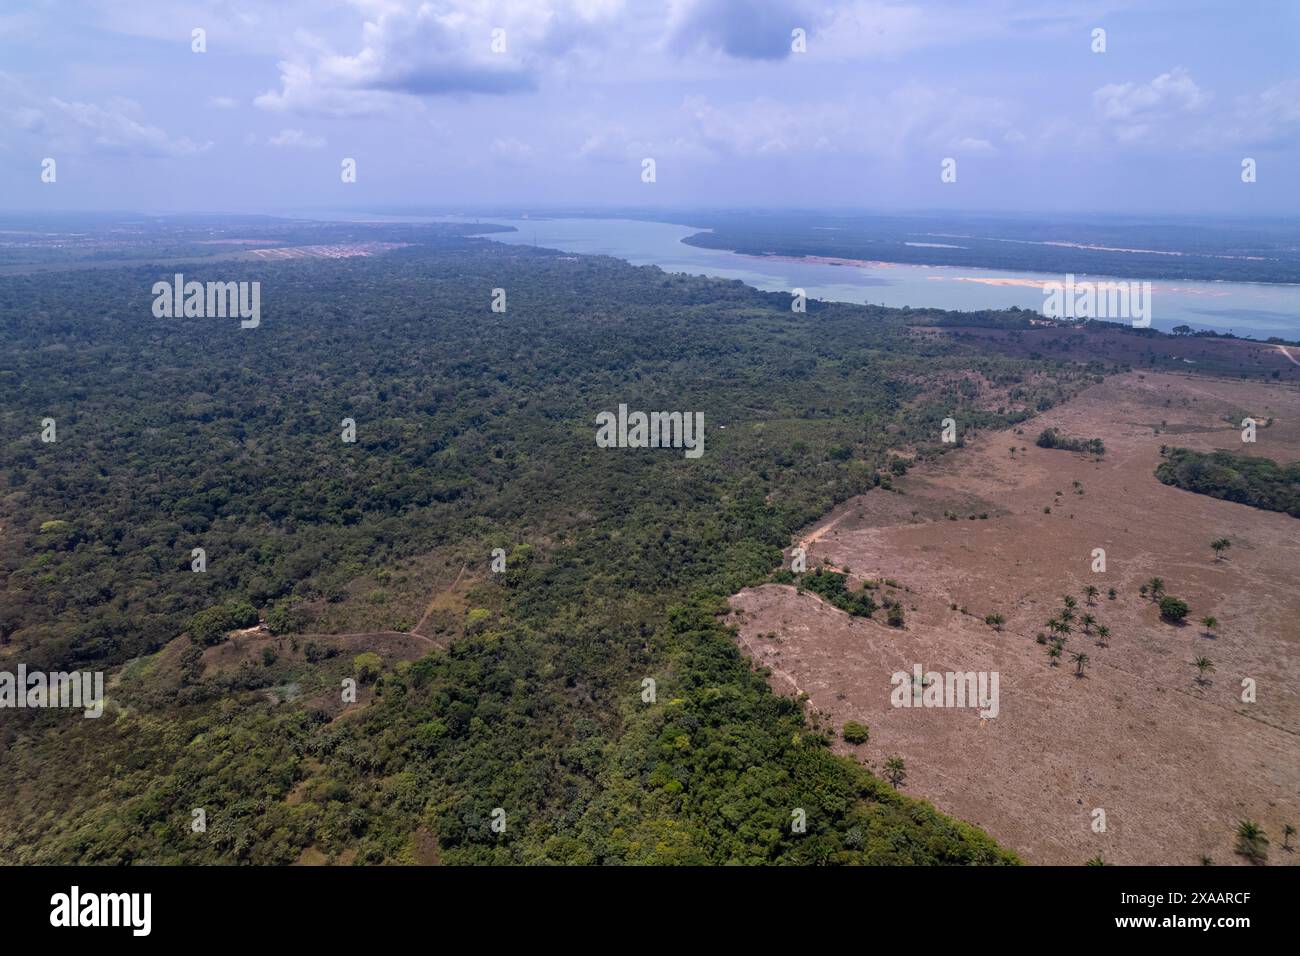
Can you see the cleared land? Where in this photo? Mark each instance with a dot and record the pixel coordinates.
(1173, 762)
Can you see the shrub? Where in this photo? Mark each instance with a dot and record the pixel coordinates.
(855, 733)
(210, 625)
(366, 666)
(1172, 608)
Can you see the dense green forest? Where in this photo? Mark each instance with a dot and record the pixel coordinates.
(474, 430)
(1259, 482)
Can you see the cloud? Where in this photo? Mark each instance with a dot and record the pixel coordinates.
(110, 130)
(222, 102)
(115, 127)
(415, 50)
(912, 120)
(296, 139)
(1269, 119)
(1134, 111)
(749, 29)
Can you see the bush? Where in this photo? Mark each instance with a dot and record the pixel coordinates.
(895, 616)
(210, 625)
(855, 733)
(366, 666)
(284, 618)
(1173, 609)
(242, 614)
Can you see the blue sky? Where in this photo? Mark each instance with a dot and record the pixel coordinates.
(710, 89)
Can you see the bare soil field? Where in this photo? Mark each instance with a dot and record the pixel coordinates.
(1174, 763)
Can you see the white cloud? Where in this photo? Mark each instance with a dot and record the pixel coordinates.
(411, 50)
(222, 102)
(296, 139)
(111, 130)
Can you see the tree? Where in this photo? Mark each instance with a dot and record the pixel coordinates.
(1103, 632)
(895, 771)
(1173, 609)
(1097, 861)
(1209, 622)
(366, 666)
(995, 621)
(1288, 832)
(854, 732)
(1054, 654)
(1070, 602)
(210, 625)
(1087, 621)
(1156, 587)
(1219, 545)
(1090, 592)
(1080, 661)
(894, 618)
(1252, 842)
(1202, 665)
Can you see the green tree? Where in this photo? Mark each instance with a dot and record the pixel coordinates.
(854, 732)
(210, 626)
(1252, 842)
(366, 666)
(1202, 665)
(895, 771)
(1080, 661)
(1173, 609)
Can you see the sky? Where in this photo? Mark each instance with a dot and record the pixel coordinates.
(529, 104)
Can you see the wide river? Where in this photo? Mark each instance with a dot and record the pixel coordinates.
(1258, 310)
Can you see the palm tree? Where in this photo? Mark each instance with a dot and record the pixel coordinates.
(1143, 590)
(1090, 592)
(1209, 623)
(1219, 545)
(1288, 832)
(1252, 842)
(1202, 664)
(1103, 632)
(1097, 861)
(895, 770)
(1087, 621)
(1053, 654)
(1080, 661)
(1157, 587)
(1070, 602)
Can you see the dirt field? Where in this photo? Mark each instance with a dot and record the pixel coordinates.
(1174, 763)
